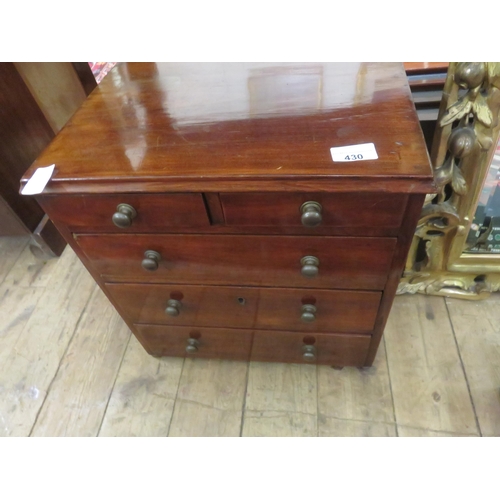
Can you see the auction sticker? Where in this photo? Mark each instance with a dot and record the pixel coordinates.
(359, 152)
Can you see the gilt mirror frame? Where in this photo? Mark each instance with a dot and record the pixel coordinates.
(464, 143)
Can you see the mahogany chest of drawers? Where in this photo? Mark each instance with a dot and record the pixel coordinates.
(208, 205)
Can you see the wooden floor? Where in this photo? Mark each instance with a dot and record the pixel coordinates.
(70, 367)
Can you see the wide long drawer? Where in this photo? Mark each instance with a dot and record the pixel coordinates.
(331, 262)
(332, 349)
(247, 307)
(127, 212)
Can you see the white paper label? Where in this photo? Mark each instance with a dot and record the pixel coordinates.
(359, 152)
(38, 180)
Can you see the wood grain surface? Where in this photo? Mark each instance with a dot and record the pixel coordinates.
(247, 307)
(351, 263)
(427, 378)
(167, 131)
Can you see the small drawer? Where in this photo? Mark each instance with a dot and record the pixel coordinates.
(289, 261)
(195, 342)
(326, 349)
(314, 210)
(248, 307)
(127, 212)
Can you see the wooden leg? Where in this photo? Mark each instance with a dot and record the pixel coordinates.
(46, 241)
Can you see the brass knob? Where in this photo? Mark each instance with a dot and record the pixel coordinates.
(173, 307)
(308, 352)
(124, 215)
(311, 213)
(309, 266)
(151, 260)
(308, 313)
(192, 346)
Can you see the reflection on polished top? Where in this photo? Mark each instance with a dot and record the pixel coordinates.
(179, 125)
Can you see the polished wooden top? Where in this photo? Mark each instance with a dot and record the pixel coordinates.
(241, 126)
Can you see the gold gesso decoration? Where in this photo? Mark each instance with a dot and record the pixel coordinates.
(464, 143)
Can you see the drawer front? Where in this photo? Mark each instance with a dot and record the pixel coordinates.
(154, 212)
(341, 210)
(355, 263)
(291, 347)
(246, 307)
(196, 342)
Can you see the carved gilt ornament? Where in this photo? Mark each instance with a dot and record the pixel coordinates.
(464, 143)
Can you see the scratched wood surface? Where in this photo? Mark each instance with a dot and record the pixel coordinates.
(80, 391)
(33, 360)
(281, 400)
(142, 402)
(427, 378)
(477, 329)
(70, 367)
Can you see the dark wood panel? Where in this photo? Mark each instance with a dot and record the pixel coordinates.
(355, 263)
(24, 133)
(85, 76)
(287, 347)
(246, 307)
(154, 212)
(338, 210)
(10, 224)
(211, 342)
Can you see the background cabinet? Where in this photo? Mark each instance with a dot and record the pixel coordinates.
(36, 101)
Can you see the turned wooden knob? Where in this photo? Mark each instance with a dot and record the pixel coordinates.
(311, 213)
(124, 215)
(309, 266)
(192, 346)
(308, 313)
(173, 307)
(308, 353)
(151, 260)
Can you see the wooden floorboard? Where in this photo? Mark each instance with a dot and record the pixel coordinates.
(358, 394)
(10, 250)
(35, 356)
(80, 392)
(209, 399)
(281, 400)
(70, 367)
(404, 431)
(477, 330)
(335, 427)
(31, 271)
(143, 397)
(427, 378)
(279, 424)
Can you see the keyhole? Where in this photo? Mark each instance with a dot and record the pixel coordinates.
(241, 301)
